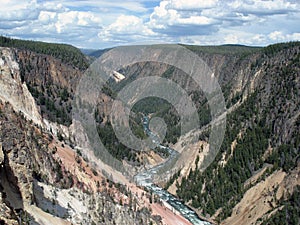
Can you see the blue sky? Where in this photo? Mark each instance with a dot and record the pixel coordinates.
(105, 23)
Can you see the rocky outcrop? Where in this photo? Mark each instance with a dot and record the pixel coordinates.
(13, 90)
(26, 154)
(262, 200)
(1, 155)
(7, 215)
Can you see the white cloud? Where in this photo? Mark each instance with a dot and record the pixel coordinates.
(191, 4)
(53, 7)
(15, 5)
(279, 36)
(125, 27)
(68, 20)
(264, 6)
(100, 23)
(182, 16)
(195, 20)
(231, 39)
(48, 21)
(276, 35)
(47, 17)
(231, 21)
(18, 11)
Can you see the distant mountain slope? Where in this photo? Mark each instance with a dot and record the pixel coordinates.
(224, 49)
(98, 53)
(87, 51)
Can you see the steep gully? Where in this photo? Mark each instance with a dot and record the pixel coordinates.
(145, 179)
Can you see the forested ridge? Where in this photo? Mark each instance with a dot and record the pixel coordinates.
(67, 53)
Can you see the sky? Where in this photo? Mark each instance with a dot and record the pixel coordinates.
(101, 24)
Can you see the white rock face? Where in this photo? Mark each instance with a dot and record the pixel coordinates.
(12, 89)
(117, 76)
(71, 199)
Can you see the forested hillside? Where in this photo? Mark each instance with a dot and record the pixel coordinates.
(67, 53)
(263, 130)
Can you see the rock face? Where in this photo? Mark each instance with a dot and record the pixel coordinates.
(1, 154)
(7, 215)
(261, 201)
(26, 157)
(13, 90)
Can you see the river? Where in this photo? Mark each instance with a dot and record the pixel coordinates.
(145, 179)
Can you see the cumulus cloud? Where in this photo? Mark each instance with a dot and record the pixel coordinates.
(191, 4)
(234, 21)
(264, 7)
(124, 28)
(49, 21)
(68, 20)
(46, 17)
(178, 17)
(101, 23)
(13, 10)
(279, 36)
